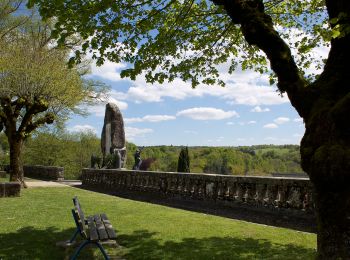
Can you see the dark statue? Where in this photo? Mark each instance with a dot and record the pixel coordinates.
(95, 162)
(138, 160)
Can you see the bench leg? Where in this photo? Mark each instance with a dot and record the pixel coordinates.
(74, 236)
(77, 252)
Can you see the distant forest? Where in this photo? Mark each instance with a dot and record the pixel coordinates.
(73, 152)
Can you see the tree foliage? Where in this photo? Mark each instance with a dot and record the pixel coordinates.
(61, 148)
(165, 39)
(36, 86)
(183, 164)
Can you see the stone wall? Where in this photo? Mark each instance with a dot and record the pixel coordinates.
(10, 189)
(3, 174)
(44, 172)
(285, 197)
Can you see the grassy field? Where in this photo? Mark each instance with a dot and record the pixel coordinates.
(5, 179)
(30, 226)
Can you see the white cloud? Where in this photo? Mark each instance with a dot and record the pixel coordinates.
(281, 120)
(230, 123)
(132, 132)
(99, 110)
(274, 140)
(271, 126)
(207, 113)
(220, 139)
(191, 132)
(109, 70)
(297, 120)
(258, 109)
(83, 128)
(247, 88)
(247, 123)
(150, 118)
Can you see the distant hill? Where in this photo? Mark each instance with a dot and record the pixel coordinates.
(241, 160)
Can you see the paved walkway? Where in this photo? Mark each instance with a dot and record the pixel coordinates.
(32, 183)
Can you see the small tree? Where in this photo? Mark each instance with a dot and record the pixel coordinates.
(183, 164)
(36, 87)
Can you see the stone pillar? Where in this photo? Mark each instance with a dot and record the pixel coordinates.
(113, 134)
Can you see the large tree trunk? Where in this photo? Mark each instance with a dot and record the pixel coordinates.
(325, 108)
(333, 238)
(16, 166)
(329, 171)
(325, 153)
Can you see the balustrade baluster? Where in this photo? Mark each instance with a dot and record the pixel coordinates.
(280, 197)
(239, 192)
(220, 189)
(259, 194)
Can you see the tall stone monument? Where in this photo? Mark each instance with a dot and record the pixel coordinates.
(113, 135)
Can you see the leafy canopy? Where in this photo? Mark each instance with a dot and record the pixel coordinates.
(165, 39)
(36, 86)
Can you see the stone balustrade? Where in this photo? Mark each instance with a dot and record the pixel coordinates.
(265, 193)
(10, 189)
(44, 172)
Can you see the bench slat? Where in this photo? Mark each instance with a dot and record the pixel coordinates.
(100, 228)
(78, 208)
(110, 231)
(92, 229)
(80, 223)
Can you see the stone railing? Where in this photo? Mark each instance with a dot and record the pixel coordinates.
(10, 189)
(44, 172)
(262, 193)
(2, 174)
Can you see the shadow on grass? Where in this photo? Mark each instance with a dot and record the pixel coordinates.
(143, 245)
(31, 243)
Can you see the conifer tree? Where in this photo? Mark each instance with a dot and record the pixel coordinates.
(183, 164)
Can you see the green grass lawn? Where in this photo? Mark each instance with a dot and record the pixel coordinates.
(5, 179)
(30, 226)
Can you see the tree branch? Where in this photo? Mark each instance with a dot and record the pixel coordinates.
(257, 28)
(32, 109)
(48, 118)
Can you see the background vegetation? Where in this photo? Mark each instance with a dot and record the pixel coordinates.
(73, 152)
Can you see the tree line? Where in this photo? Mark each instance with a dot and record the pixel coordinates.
(73, 152)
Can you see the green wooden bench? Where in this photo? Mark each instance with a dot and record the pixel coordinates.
(95, 229)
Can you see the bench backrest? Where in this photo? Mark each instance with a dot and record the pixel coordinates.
(79, 217)
(78, 207)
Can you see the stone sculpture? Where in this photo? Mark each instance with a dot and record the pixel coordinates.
(138, 160)
(113, 135)
(95, 162)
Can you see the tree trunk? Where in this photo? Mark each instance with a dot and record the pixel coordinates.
(16, 166)
(333, 238)
(325, 153)
(328, 165)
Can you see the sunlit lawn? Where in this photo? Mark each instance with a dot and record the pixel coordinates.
(31, 225)
(5, 179)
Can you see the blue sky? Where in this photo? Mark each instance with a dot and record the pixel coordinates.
(247, 111)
